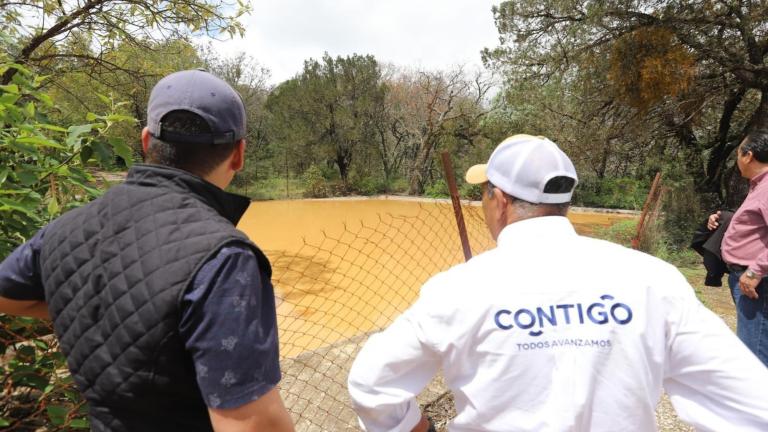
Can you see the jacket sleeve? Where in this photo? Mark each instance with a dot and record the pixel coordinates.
(714, 381)
(391, 369)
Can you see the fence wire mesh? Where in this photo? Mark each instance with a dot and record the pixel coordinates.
(333, 293)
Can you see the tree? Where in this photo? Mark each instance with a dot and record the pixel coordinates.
(45, 32)
(329, 108)
(290, 127)
(250, 79)
(81, 89)
(437, 105)
(391, 134)
(697, 68)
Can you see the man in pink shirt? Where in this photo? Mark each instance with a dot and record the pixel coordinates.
(745, 246)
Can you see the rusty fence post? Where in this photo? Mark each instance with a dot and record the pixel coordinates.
(448, 168)
(657, 206)
(652, 197)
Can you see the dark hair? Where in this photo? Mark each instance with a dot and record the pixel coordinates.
(199, 159)
(757, 143)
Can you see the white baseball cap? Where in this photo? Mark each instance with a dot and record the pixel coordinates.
(522, 165)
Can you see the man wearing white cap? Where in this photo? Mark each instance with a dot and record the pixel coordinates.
(552, 331)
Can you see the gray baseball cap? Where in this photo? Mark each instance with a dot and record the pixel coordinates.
(204, 94)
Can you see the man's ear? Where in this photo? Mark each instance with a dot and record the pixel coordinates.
(748, 156)
(238, 156)
(500, 202)
(499, 197)
(145, 140)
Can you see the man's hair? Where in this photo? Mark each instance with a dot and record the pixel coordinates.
(199, 159)
(532, 209)
(558, 184)
(757, 143)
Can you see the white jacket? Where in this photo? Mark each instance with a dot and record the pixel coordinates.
(552, 331)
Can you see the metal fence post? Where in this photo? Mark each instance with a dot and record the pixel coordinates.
(448, 168)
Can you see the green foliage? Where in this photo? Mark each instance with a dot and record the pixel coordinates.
(656, 241)
(325, 113)
(621, 232)
(40, 396)
(314, 183)
(82, 90)
(42, 165)
(438, 189)
(621, 193)
(43, 172)
(46, 33)
(471, 192)
(659, 57)
(682, 213)
(369, 185)
(249, 78)
(653, 241)
(329, 173)
(398, 185)
(271, 188)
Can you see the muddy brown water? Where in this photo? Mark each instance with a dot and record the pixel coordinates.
(342, 268)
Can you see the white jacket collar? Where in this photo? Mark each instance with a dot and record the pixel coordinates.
(538, 228)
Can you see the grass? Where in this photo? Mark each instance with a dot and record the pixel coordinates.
(274, 188)
(695, 275)
(686, 260)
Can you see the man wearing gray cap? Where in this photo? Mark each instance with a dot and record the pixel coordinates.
(164, 310)
(552, 331)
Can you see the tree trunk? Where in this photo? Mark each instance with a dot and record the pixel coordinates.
(420, 167)
(759, 120)
(384, 155)
(343, 161)
(718, 177)
(724, 146)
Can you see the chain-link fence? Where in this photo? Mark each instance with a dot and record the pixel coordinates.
(337, 290)
(332, 291)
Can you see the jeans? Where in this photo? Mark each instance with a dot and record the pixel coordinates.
(751, 317)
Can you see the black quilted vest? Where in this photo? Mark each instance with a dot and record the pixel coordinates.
(114, 273)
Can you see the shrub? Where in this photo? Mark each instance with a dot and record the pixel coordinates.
(42, 174)
(329, 172)
(621, 193)
(315, 185)
(471, 192)
(398, 185)
(438, 189)
(621, 232)
(682, 213)
(369, 186)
